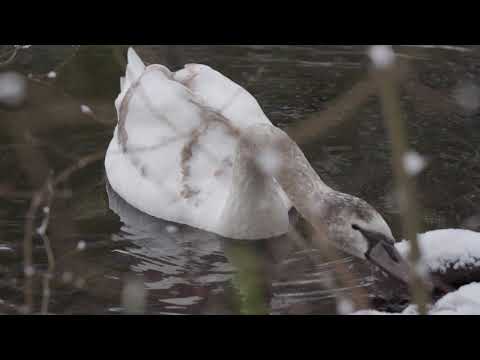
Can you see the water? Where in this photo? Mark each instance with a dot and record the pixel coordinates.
(129, 262)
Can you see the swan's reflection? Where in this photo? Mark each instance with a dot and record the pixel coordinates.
(180, 264)
(191, 271)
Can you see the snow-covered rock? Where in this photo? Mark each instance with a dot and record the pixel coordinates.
(447, 249)
(443, 252)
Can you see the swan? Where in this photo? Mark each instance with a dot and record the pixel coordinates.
(195, 148)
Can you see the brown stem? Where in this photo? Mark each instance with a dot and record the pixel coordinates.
(405, 184)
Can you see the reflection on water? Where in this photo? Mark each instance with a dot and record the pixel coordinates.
(187, 271)
(179, 263)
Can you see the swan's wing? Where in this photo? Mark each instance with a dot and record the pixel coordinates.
(222, 95)
(210, 87)
(226, 97)
(135, 69)
(171, 156)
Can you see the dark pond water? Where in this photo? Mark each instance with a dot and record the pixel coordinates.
(109, 256)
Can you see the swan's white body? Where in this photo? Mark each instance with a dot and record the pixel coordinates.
(174, 148)
(193, 147)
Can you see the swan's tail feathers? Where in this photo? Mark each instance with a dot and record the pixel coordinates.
(135, 67)
(135, 61)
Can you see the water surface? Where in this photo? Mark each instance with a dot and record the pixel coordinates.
(186, 271)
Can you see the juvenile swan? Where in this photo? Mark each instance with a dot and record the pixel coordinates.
(193, 147)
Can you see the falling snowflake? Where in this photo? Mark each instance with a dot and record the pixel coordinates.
(382, 56)
(13, 89)
(413, 163)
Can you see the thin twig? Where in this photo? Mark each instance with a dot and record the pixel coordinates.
(404, 183)
(28, 249)
(42, 231)
(8, 61)
(79, 165)
(46, 193)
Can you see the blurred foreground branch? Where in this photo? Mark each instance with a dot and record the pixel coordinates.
(45, 196)
(344, 279)
(405, 183)
(340, 110)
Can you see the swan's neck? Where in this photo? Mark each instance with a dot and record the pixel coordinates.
(256, 204)
(254, 208)
(307, 192)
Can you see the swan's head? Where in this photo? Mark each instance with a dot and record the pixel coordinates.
(357, 228)
(349, 222)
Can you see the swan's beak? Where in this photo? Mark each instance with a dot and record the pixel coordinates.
(382, 253)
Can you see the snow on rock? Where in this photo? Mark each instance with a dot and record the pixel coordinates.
(464, 301)
(443, 250)
(410, 310)
(447, 249)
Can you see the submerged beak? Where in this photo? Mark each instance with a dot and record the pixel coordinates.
(382, 253)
